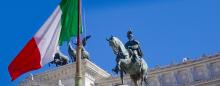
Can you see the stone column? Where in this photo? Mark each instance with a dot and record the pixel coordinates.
(190, 72)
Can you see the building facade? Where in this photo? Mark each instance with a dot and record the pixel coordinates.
(65, 75)
(201, 72)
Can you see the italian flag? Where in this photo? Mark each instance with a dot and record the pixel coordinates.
(60, 27)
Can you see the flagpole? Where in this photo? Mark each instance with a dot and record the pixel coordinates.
(78, 76)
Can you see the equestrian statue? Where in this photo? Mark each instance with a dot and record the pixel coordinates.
(129, 59)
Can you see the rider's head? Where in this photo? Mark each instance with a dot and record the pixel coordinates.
(130, 35)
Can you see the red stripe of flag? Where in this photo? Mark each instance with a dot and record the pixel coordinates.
(28, 59)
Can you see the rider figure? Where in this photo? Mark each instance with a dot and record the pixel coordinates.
(133, 47)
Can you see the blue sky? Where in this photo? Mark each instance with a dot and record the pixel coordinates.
(168, 30)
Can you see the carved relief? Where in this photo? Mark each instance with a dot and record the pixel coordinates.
(215, 69)
(167, 79)
(154, 81)
(199, 73)
(182, 77)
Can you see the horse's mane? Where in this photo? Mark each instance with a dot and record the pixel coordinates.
(121, 45)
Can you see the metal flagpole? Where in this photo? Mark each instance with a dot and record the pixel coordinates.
(78, 76)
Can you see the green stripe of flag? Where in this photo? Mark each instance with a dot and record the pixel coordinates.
(69, 20)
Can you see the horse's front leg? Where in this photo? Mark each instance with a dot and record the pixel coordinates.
(122, 77)
(119, 65)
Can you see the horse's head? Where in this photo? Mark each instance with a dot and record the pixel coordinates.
(117, 46)
(113, 44)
